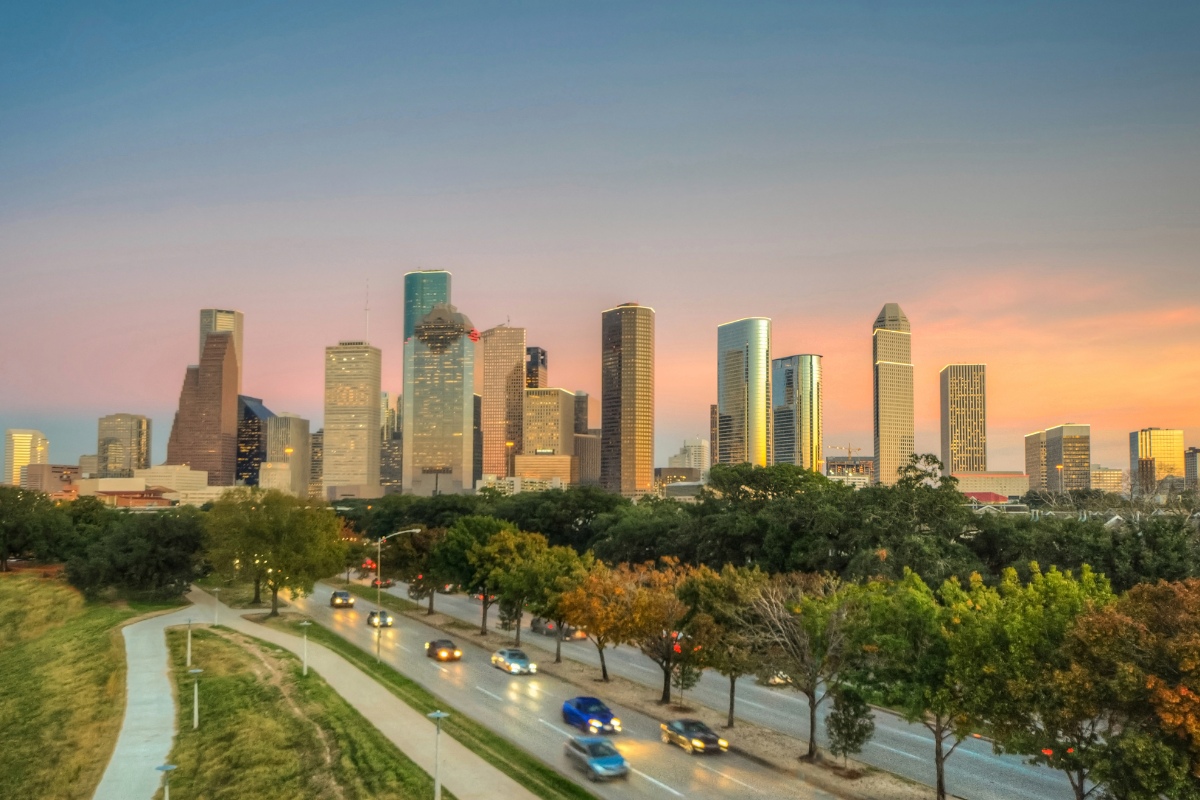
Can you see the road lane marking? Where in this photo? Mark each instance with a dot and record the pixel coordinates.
(555, 727)
(405, 649)
(439, 666)
(489, 694)
(756, 705)
(900, 752)
(726, 777)
(659, 784)
(639, 666)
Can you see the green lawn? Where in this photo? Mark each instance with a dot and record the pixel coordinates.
(267, 731)
(522, 766)
(62, 686)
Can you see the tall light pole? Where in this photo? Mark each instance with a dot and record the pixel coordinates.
(437, 717)
(165, 769)
(1061, 486)
(305, 625)
(189, 647)
(195, 673)
(217, 604)
(379, 565)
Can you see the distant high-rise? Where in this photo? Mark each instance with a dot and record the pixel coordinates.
(1191, 468)
(122, 445)
(537, 371)
(439, 404)
(587, 454)
(964, 419)
(23, 447)
(316, 489)
(289, 442)
(891, 349)
(253, 418)
(213, 320)
(387, 417)
(627, 400)
(744, 391)
(1035, 461)
(549, 422)
(693, 455)
(714, 433)
(1155, 455)
(582, 412)
(503, 405)
(204, 432)
(797, 408)
(423, 290)
(350, 450)
(1107, 479)
(1068, 458)
(477, 440)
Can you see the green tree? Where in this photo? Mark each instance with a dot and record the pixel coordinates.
(557, 571)
(284, 542)
(507, 565)
(29, 521)
(850, 724)
(154, 556)
(451, 556)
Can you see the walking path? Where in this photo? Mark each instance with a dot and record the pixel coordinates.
(149, 726)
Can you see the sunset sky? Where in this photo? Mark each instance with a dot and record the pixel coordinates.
(1022, 178)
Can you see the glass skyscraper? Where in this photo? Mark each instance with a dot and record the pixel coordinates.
(1155, 454)
(423, 290)
(439, 404)
(253, 417)
(891, 350)
(627, 400)
(744, 392)
(797, 406)
(122, 445)
(350, 447)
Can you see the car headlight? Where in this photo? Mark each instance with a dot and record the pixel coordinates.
(514, 668)
(443, 653)
(457, 653)
(594, 723)
(722, 743)
(616, 723)
(696, 743)
(533, 667)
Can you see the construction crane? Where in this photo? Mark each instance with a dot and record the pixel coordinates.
(849, 450)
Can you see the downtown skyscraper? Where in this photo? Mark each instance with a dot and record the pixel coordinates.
(204, 432)
(744, 392)
(214, 320)
(1155, 455)
(423, 290)
(1059, 459)
(627, 400)
(964, 418)
(892, 378)
(350, 447)
(22, 448)
(122, 445)
(503, 397)
(797, 406)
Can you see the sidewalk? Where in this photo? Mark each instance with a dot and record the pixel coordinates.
(148, 728)
(464, 773)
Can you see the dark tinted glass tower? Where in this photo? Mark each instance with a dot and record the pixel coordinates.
(627, 400)
(251, 438)
(422, 291)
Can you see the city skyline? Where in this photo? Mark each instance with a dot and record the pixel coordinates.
(963, 170)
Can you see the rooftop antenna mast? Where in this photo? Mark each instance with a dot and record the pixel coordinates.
(367, 310)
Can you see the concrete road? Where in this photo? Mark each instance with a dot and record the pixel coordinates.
(528, 711)
(974, 771)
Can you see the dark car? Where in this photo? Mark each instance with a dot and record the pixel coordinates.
(548, 627)
(596, 757)
(380, 619)
(589, 714)
(443, 650)
(693, 736)
(340, 599)
(386, 584)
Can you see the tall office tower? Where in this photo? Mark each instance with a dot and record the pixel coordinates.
(1155, 455)
(1068, 458)
(714, 433)
(391, 464)
(537, 371)
(627, 400)
(252, 451)
(582, 411)
(439, 404)
(797, 407)
(503, 411)
(122, 445)
(387, 417)
(891, 349)
(350, 457)
(316, 465)
(549, 422)
(423, 290)
(693, 455)
(964, 419)
(213, 320)
(204, 433)
(1035, 461)
(289, 442)
(744, 391)
(23, 447)
(1191, 468)
(1106, 479)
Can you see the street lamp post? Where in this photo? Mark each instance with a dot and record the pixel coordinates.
(305, 625)
(165, 769)
(437, 717)
(217, 604)
(189, 646)
(379, 566)
(1061, 487)
(195, 673)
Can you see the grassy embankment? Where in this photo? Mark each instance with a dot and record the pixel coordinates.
(266, 731)
(62, 686)
(520, 765)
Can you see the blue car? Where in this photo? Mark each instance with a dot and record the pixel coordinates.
(596, 757)
(589, 714)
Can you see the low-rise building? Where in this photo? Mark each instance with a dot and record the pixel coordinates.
(1008, 484)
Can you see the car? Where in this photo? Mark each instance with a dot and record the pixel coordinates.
(340, 599)
(386, 584)
(589, 714)
(596, 757)
(548, 627)
(514, 661)
(380, 619)
(693, 736)
(443, 650)
(478, 598)
(778, 679)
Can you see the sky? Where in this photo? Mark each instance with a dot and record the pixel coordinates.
(1022, 178)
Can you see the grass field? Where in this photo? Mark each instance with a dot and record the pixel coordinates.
(519, 764)
(62, 686)
(266, 731)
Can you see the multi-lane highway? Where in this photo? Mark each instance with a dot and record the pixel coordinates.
(974, 771)
(527, 710)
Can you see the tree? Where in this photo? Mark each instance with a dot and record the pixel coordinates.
(27, 521)
(506, 565)
(557, 570)
(154, 556)
(451, 556)
(658, 614)
(285, 542)
(601, 605)
(802, 625)
(850, 724)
